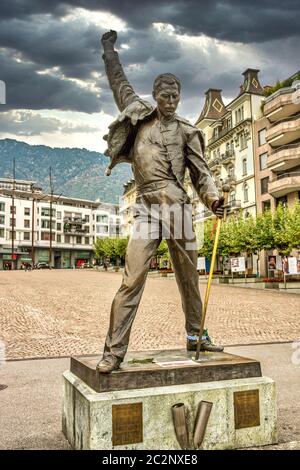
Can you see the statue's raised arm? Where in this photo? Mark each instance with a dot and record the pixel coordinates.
(122, 90)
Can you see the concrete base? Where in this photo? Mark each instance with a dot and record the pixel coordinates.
(87, 415)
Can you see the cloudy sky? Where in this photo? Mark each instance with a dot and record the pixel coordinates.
(50, 58)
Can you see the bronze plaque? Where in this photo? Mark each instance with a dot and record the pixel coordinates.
(246, 409)
(127, 424)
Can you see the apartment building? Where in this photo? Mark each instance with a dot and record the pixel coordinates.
(281, 116)
(39, 227)
(228, 134)
(277, 147)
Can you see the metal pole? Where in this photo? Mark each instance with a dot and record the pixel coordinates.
(211, 270)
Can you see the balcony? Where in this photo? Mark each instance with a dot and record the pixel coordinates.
(231, 179)
(228, 157)
(214, 164)
(284, 132)
(285, 184)
(220, 134)
(234, 205)
(75, 220)
(77, 230)
(284, 157)
(282, 103)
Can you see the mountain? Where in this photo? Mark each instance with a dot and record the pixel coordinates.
(75, 172)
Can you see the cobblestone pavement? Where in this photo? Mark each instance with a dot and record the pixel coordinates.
(56, 313)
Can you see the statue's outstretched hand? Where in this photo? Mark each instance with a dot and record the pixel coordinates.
(108, 39)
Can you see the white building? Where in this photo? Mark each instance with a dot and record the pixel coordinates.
(229, 142)
(35, 226)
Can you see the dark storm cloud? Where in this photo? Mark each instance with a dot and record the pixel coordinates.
(25, 88)
(233, 20)
(42, 38)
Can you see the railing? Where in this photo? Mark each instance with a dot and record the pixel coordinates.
(281, 91)
(287, 119)
(228, 155)
(79, 231)
(214, 162)
(234, 204)
(285, 175)
(221, 133)
(76, 220)
(285, 147)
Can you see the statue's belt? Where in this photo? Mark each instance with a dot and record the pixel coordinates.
(154, 186)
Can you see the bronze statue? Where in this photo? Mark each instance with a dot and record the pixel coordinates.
(160, 146)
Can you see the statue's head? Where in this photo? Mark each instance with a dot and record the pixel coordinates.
(166, 92)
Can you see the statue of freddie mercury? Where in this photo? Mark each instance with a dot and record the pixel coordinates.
(160, 146)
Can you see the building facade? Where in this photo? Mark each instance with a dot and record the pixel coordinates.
(229, 141)
(38, 227)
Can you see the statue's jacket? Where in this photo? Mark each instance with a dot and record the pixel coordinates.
(185, 149)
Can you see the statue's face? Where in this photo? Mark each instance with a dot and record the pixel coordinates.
(167, 98)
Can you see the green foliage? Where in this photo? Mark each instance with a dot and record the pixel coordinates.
(162, 251)
(112, 248)
(285, 83)
(270, 230)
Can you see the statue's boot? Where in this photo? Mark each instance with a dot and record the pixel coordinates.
(108, 363)
(206, 344)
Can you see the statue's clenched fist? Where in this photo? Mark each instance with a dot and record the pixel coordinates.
(108, 39)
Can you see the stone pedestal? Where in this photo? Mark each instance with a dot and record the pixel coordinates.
(243, 412)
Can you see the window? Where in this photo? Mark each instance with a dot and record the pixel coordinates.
(2, 219)
(46, 236)
(262, 137)
(12, 222)
(263, 158)
(58, 226)
(231, 171)
(58, 215)
(86, 240)
(1, 232)
(58, 238)
(2, 207)
(27, 223)
(45, 212)
(26, 210)
(78, 240)
(12, 209)
(67, 238)
(102, 229)
(87, 218)
(243, 140)
(264, 182)
(46, 224)
(102, 219)
(246, 191)
(26, 235)
(244, 166)
(266, 206)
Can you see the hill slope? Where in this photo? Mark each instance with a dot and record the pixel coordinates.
(76, 172)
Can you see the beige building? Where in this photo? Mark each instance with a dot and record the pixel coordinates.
(126, 207)
(229, 141)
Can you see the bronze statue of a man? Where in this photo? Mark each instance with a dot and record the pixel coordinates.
(160, 146)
